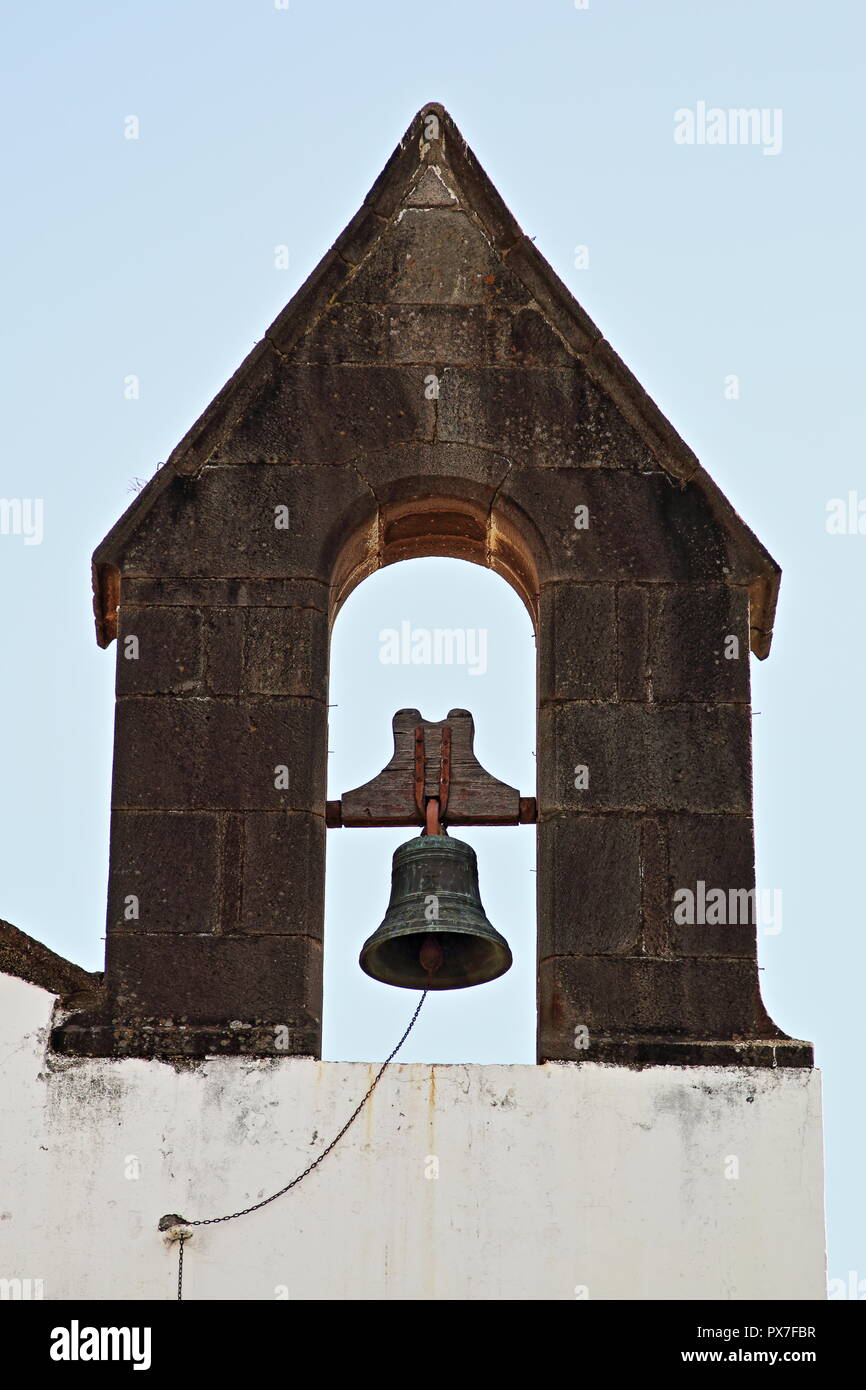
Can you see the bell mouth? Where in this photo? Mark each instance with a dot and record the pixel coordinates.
(467, 959)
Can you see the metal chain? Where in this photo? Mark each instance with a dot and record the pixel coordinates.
(215, 1220)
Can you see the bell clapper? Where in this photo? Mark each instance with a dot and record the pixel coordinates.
(431, 955)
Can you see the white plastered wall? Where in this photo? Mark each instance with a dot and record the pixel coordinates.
(457, 1182)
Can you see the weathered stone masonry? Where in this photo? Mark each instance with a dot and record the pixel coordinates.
(432, 389)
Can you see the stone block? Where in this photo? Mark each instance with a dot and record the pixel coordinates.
(544, 418)
(215, 979)
(421, 471)
(224, 632)
(473, 335)
(633, 673)
(642, 998)
(277, 592)
(577, 642)
(433, 256)
(656, 936)
(248, 521)
(283, 873)
(286, 651)
(169, 864)
(159, 650)
(653, 758)
(430, 191)
(176, 754)
(433, 336)
(320, 414)
(638, 526)
(718, 852)
(231, 867)
(590, 885)
(347, 333)
(700, 643)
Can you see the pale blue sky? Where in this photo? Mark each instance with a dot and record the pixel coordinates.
(155, 257)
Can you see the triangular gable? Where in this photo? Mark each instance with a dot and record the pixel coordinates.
(433, 167)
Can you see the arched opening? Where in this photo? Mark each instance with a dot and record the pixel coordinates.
(460, 524)
(381, 662)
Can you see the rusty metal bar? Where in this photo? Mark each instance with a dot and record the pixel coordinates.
(444, 771)
(420, 770)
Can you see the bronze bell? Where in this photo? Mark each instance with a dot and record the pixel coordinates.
(435, 934)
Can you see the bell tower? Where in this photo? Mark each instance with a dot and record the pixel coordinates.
(434, 389)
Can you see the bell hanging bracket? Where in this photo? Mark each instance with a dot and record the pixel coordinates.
(432, 760)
